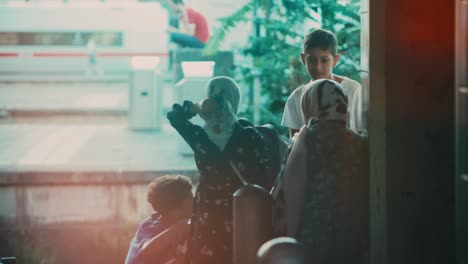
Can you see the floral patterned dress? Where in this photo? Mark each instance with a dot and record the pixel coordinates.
(334, 220)
(212, 233)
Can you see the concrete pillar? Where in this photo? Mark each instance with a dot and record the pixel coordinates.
(411, 130)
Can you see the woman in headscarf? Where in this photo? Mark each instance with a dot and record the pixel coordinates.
(322, 192)
(224, 149)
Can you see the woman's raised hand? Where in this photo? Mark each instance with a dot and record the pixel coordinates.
(181, 111)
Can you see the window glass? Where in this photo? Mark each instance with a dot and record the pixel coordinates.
(109, 39)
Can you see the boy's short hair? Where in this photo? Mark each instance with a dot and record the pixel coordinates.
(322, 39)
(168, 192)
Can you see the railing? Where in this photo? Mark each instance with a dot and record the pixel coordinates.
(253, 228)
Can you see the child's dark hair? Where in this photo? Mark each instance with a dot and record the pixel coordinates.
(322, 39)
(168, 192)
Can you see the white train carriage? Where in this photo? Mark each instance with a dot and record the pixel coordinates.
(64, 38)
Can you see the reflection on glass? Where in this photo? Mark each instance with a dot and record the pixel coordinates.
(463, 44)
(109, 39)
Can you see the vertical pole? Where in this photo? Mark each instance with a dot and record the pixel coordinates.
(256, 97)
(252, 225)
(377, 127)
(461, 129)
(256, 86)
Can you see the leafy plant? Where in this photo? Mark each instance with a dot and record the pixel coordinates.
(273, 49)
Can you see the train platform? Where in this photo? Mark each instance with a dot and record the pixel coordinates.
(63, 96)
(89, 147)
(72, 171)
(81, 128)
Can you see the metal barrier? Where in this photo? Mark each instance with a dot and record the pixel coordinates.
(145, 94)
(282, 250)
(252, 222)
(223, 61)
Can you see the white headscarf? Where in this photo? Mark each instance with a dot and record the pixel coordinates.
(324, 100)
(226, 93)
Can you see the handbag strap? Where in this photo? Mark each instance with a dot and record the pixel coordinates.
(237, 172)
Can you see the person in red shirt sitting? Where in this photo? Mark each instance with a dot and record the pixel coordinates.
(193, 28)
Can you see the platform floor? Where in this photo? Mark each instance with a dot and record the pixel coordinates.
(89, 147)
(81, 127)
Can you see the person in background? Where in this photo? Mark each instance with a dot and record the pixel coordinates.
(193, 30)
(161, 237)
(228, 154)
(92, 68)
(319, 56)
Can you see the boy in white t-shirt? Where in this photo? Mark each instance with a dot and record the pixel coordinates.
(319, 56)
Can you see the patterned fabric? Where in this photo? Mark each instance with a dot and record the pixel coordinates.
(212, 236)
(323, 186)
(335, 215)
(224, 88)
(279, 201)
(292, 117)
(220, 108)
(324, 100)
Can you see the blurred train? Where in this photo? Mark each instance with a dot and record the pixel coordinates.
(65, 38)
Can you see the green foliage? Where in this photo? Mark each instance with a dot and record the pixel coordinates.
(274, 52)
(227, 24)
